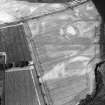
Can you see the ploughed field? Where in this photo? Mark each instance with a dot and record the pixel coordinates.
(1, 88)
(13, 43)
(67, 47)
(19, 87)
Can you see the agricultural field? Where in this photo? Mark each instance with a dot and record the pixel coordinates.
(67, 49)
